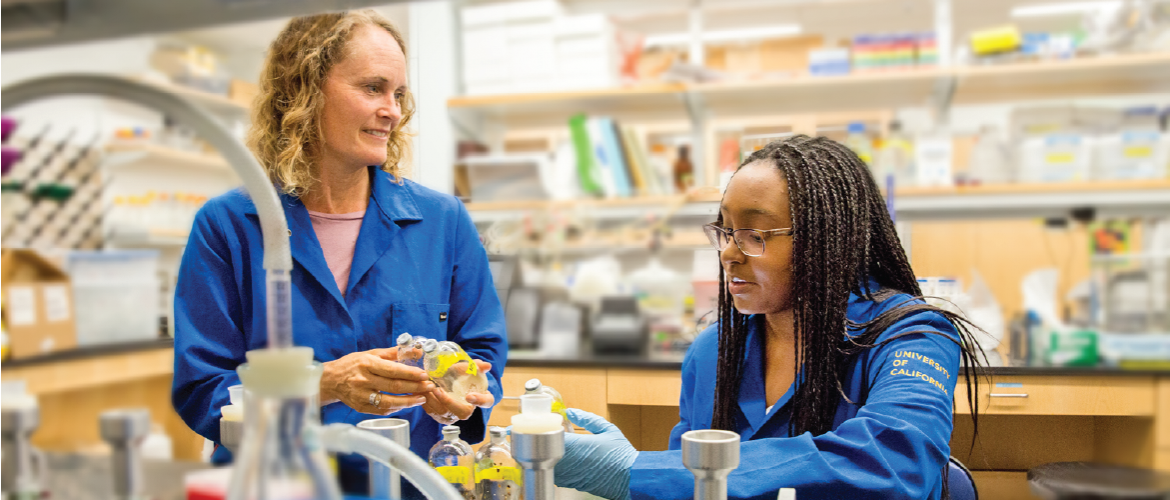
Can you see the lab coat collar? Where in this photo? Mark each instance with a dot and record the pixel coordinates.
(389, 204)
(752, 387)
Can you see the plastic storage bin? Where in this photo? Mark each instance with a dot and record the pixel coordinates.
(116, 296)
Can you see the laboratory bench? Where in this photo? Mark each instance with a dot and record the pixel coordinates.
(1027, 415)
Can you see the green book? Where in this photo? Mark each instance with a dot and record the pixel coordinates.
(586, 167)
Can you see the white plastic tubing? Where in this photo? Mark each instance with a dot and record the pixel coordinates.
(277, 259)
(345, 438)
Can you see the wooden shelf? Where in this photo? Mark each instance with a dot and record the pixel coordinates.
(1105, 75)
(123, 155)
(1108, 198)
(215, 103)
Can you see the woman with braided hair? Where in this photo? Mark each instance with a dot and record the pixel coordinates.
(837, 376)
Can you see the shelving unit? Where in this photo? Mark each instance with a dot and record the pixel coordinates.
(1119, 74)
(1009, 201)
(153, 155)
(215, 103)
(155, 238)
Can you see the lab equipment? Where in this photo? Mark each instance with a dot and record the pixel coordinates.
(125, 430)
(538, 443)
(1137, 150)
(619, 328)
(385, 481)
(453, 457)
(23, 465)
(231, 420)
(497, 476)
(711, 455)
(533, 386)
(454, 371)
(276, 460)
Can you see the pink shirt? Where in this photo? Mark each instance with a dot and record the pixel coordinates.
(338, 235)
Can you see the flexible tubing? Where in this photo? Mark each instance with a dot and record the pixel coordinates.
(345, 438)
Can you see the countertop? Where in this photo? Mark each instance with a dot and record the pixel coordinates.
(534, 359)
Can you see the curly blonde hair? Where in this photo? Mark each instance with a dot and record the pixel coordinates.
(285, 135)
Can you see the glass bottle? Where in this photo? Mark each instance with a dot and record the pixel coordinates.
(534, 386)
(497, 475)
(452, 457)
(410, 350)
(280, 457)
(684, 171)
(453, 370)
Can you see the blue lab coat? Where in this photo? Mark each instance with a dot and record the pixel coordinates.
(418, 267)
(894, 446)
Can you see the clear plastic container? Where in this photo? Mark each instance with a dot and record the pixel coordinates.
(536, 416)
(990, 161)
(1137, 150)
(860, 142)
(895, 159)
(1057, 157)
(453, 458)
(534, 386)
(497, 475)
(453, 370)
(115, 295)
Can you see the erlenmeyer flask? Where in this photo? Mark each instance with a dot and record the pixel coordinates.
(280, 457)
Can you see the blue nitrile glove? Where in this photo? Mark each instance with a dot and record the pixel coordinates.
(598, 464)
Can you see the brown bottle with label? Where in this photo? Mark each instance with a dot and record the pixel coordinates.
(684, 171)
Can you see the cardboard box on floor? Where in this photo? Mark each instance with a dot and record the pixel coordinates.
(38, 304)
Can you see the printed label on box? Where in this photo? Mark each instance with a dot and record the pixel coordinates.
(56, 303)
(22, 306)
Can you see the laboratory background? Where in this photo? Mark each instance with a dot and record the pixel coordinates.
(1022, 147)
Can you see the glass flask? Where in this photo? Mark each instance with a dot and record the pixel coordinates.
(453, 457)
(452, 369)
(497, 475)
(280, 457)
(533, 386)
(410, 350)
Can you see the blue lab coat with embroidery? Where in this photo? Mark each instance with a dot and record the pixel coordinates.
(418, 267)
(894, 446)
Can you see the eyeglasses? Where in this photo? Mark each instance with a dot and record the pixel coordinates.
(749, 241)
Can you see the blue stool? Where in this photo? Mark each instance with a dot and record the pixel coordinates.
(960, 483)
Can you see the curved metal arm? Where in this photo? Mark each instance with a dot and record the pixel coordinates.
(277, 259)
(345, 438)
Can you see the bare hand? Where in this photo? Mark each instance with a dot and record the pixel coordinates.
(354, 377)
(446, 410)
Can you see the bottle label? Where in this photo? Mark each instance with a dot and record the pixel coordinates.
(1138, 152)
(559, 407)
(449, 359)
(500, 474)
(455, 474)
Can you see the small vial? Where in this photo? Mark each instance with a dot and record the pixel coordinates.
(534, 386)
(497, 475)
(453, 457)
(452, 369)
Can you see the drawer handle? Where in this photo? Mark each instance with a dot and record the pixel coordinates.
(995, 395)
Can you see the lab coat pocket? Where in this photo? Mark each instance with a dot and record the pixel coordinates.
(427, 320)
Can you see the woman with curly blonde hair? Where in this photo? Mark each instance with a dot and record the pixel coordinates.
(377, 255)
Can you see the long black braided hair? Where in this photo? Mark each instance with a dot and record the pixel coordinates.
(842, 238)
